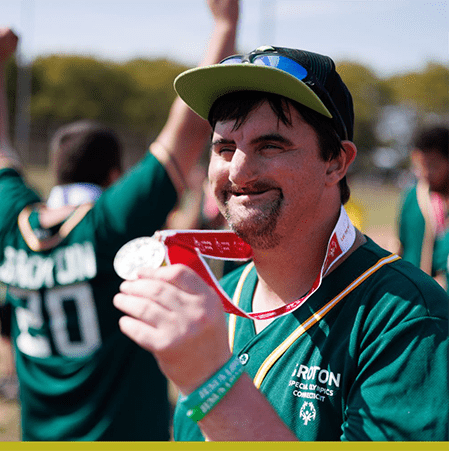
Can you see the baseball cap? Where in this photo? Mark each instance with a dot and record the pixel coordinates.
(308, 78)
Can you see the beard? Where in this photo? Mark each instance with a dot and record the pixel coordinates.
(256, 225)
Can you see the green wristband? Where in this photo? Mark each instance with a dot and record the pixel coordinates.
(202, 400)
(198, 412)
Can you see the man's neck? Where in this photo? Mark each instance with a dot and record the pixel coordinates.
(289, 269)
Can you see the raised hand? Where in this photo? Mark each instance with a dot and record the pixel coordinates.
(8, 43)
(174, 314)
(225, 10)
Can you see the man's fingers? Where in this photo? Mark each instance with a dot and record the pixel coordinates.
(177, 275)
(141, 333)
(138, 307)
(148, 325)
(144, 287)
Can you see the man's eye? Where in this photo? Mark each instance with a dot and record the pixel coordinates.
(270, 147)
(225, 150)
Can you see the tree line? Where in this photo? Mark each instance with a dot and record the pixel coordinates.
(136, 95)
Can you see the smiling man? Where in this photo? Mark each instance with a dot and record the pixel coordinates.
(338, 339)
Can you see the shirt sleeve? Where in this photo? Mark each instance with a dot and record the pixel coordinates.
(137, 205)
(15, 195)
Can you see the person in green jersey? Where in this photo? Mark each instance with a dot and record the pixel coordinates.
(336, 339)
(80, 377)
(423, 216)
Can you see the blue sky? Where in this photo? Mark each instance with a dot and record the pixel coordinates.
(389, 36)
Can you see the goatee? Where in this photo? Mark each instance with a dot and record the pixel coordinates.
(259, 231)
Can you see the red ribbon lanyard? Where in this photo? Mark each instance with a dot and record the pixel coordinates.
(189, 246)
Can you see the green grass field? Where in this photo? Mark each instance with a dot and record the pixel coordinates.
(379, 205)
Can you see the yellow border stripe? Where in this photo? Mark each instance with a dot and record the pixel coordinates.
(282, 348)
(225, 446)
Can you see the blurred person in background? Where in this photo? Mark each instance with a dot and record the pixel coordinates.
(80, 377)
(423, 216)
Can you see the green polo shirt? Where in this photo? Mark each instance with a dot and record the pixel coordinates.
(366, 361)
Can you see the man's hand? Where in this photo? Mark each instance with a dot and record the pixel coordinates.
(8, 43)
(175, 315)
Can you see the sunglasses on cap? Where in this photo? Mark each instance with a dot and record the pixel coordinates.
(298, 71)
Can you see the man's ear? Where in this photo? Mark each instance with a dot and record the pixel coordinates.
(338, 167)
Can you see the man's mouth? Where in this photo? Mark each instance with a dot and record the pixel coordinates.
(248, 192)
(253, 190)
(252, 196)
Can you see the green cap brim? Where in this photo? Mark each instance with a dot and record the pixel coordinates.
(202, 86)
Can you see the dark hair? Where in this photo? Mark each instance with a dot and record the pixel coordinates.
(85, 152)
(238, 105)
(435, 138)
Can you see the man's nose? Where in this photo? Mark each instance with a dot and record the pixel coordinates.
(244, 168)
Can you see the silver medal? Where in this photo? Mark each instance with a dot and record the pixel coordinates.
(143, 252)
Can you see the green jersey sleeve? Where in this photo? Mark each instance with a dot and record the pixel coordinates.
(15, 195)
(137, 205)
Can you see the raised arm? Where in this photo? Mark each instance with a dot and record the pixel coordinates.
(184, 136)
(8, 44)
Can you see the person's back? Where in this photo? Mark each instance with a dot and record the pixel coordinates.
(73, 364)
